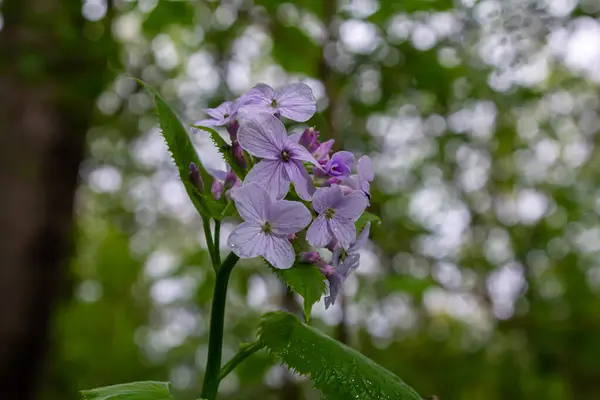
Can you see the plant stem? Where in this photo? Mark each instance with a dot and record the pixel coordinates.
(209, 242)
(245, 352)
(217, 238)
(215, 337)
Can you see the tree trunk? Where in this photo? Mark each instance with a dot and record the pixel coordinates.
(50, 76)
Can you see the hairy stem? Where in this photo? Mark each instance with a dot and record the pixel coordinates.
(215, 338)
(245, 352)
(209, 242)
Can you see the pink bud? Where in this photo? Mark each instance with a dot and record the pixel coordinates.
(291, 236)
(310, 257)
(333, 245)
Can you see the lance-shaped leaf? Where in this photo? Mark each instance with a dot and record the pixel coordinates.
(338, 371)
(183, 152)
(147, 390)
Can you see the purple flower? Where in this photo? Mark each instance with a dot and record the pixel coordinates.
(224, 180)
(337, 213)
(268, 223)
(340, 165)
(265, 137)
(222, 115)
(295, 101)
(361, 180)
(337, 275)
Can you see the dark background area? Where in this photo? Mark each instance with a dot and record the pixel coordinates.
(483, 280)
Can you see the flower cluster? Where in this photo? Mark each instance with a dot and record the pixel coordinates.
(276, 161)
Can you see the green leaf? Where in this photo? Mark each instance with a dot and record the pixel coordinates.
(364, 218)
(168, 12)
(338, 371)
(307, 281)
(225, 150)
(183, 152)
(147, 390)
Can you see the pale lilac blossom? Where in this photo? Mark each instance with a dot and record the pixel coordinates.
(295, 101)
(282, 159)
(223, 114)
(337, 213)
(268, 222)
(339, 270)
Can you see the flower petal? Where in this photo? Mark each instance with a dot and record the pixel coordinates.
(258, 94)
(344, 230)
(217, 173)
(343, 157)
(365, 169)
(278, 251)
(270, 175)
(301, 179)
(295, 137)
(319, 234)
(205, 122)
(362, 239)
(327, 197)
(322, 152)
(247, 240)
(252, 202)
(299, 152)
(296, 102)
(263, 136)
(352, 205)
(288, 217)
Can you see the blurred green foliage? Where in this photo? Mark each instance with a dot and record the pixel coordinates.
(482, 281)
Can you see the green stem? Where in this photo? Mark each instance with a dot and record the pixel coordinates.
(245, 352)
(217, 238)
(209, 242)
(215, 337)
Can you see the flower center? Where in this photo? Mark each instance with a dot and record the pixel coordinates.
(285, 155)
(266, 228)
(274, 103)
(329, 213)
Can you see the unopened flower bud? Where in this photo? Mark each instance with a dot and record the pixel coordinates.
(195, 177)
(291, 236)
(327, 270)
(308, 139)
(333, 181)
(230, 180)
(333, 245)
(310, 257)
(232, 129)
(238, 154)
